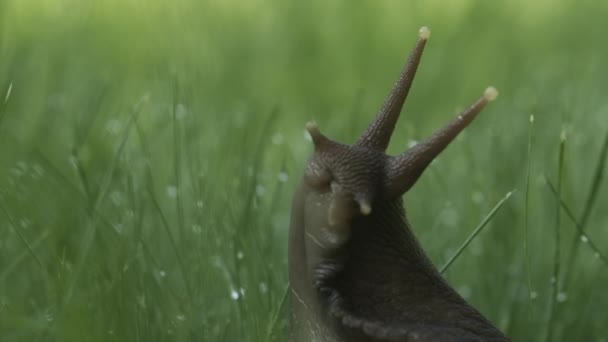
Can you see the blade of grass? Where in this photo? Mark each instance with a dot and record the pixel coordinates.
(579, 227)
(556, 256)
(3, 104)
(527, 211)
(589, 204)
(242, 236)
(21, 236)
(82, 176)
(8, 93)
(159, 211)
(165, 224)
(179, 211)
(63, 183)
(6, 272)
(91, 225)
(276, 314)
(476, 231)
(84, 122)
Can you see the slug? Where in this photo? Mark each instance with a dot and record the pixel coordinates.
(356, 270)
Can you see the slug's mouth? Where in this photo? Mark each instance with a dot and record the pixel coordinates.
(329, 226)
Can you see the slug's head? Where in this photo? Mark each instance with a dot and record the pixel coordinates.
(348, 180)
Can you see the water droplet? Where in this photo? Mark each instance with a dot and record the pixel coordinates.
(22, 166)
(197, 229)
(130, 214)
(412, 143)
(8, 92)
(172, 191)
(450, 217)
(24, 223)
(113, 126)
(162, 273)
(263, 287)
(48, 317)
(73, 161)
(533, 295)
(16, 171)
(234, 295)
(181, 111)
(277, 139)
(240, 255)
(260, 190)
(141, 301)
(117, 198)
(477, 197)
(180, 317)
(37, 171)
(283, 176)
(584, 238)
(596, 255)
(216, 261)
(239, 116)
(562, 297)
(119, 228)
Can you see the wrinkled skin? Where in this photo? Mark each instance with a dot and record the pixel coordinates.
(356, 270)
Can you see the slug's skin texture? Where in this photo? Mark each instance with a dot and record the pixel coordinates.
(356, 270)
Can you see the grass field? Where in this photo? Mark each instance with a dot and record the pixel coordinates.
(149, 151)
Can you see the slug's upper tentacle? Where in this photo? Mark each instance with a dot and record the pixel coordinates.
(405, 169)
(317, 137)
(379, 132)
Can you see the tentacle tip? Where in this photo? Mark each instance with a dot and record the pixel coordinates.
(364, 205)
(313, 130)
(424, 33)
(312, 127)
(365, 208)
(490, 94)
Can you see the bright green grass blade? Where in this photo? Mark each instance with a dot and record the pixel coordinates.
(276, 314)
(589, 205)
(527, 209)
(5, 102)
(21, 236)
(585, 238)
(476, 231)
(555, 278)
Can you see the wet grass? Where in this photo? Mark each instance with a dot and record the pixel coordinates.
(148, 153)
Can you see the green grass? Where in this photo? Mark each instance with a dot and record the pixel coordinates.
(149, 151)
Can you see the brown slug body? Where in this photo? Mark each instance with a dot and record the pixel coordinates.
(357, 272)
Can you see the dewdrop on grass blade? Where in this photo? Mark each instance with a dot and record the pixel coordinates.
(8, 92)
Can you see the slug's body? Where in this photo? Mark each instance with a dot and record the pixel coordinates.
(357, 272)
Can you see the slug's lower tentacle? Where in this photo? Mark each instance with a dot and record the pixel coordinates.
(405, 169)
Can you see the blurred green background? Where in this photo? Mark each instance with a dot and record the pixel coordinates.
(149, 151)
